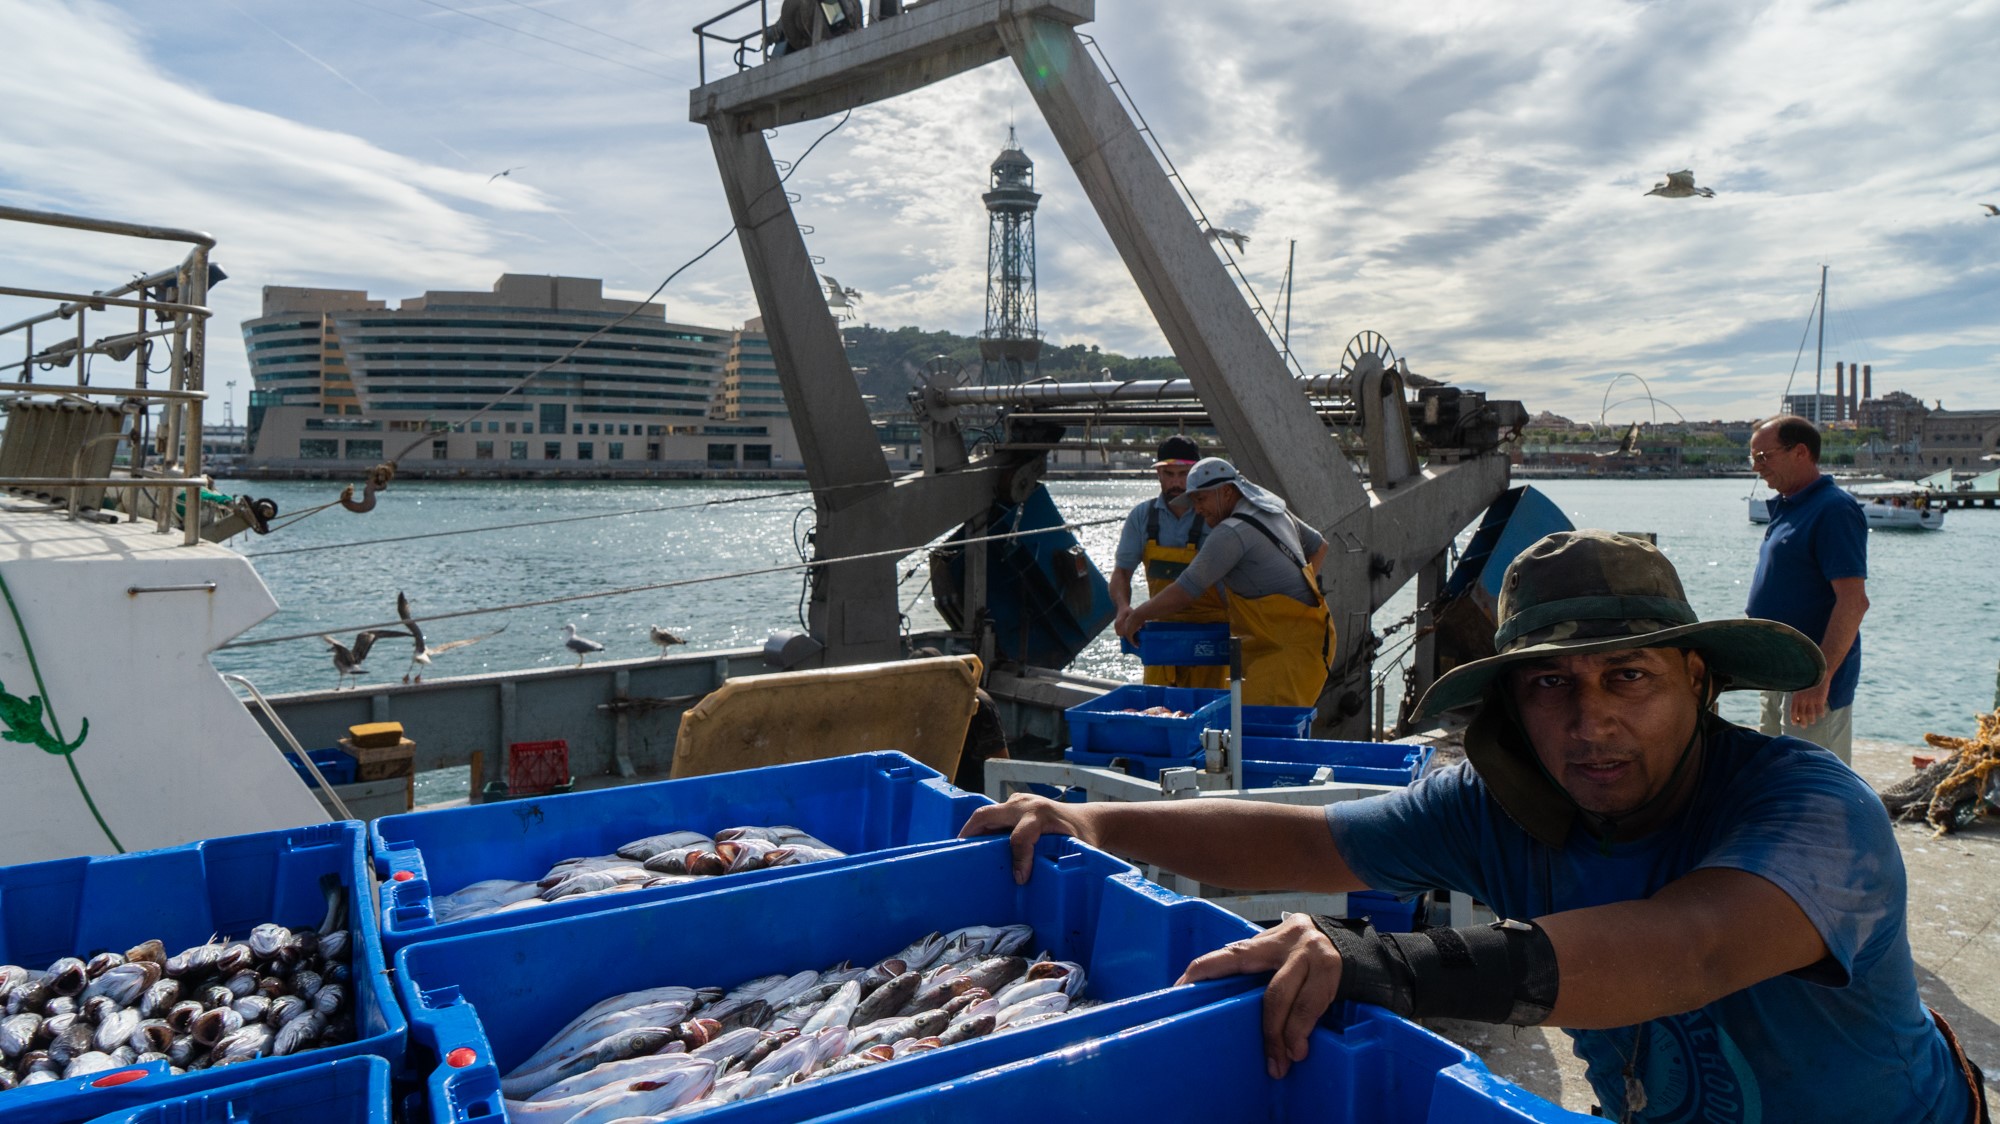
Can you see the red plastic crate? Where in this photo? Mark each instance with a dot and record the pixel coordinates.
(537, 767)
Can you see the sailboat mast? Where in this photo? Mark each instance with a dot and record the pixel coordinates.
(1819, 349)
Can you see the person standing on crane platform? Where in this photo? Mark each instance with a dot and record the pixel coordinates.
(1266, 563)
(1164, 541)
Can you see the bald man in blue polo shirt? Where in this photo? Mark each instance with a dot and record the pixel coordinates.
(1812, 574)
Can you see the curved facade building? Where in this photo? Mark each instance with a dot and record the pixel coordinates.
(341, 377)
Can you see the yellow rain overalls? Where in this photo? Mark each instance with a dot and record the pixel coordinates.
(1288, 646)
(1163, 564)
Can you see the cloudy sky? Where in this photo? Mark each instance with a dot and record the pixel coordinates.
(1465, 178)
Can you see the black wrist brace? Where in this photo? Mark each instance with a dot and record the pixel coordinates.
(1499, 973)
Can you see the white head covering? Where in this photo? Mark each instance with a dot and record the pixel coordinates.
(1213, 472)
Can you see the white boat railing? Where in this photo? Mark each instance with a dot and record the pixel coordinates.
(48, 457)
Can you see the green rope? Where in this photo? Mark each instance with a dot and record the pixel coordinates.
(39, 706)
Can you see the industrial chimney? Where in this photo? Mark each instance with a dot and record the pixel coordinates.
(1868, 382)
(1839, 391)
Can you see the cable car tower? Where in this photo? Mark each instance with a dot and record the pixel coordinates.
(1011, 346)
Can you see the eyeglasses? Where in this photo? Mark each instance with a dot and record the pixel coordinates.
(1759, 458)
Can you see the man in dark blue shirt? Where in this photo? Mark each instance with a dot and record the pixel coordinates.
(1812, 574)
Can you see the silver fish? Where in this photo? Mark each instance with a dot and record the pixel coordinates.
(88, 1062)
(181, 1016)
(893, 1029)
(306, 983)
(1052, 1004)
(329, 999)
(1027, 989)
(194, 961)
(886, 999)
(967, 1029)
(730, 1045)
(611, 1073)
(212, 1026)
(286, 1008)
(17, 1032)
(115, 1029)
(12, 976)
(67, 976)
(837, 1010)
(334, 945)
(593, 882)
(922, 952)
(298, 1034)
(643, 849)
(102, 963)
(152, 951)
(160, 998)
(617, 1047)
(797, 854)
(576, 1036)
(250, 1041)
(745, 854)
(152, 1036)
(266, 939)
(251, 1007)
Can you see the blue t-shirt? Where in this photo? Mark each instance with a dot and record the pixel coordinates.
(1847, 1039)
(1175, 530)
(1815, 536)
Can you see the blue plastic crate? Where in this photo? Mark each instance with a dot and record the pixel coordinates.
(1387, 912)
(864, 804)
(1180, 644)
(1098, 727)
(1363, 1066)
(1269, 721)
(183, 896)
(336, 765)
(490, 1000)
(351, 1091)
(1146, 768)
(1352, 762)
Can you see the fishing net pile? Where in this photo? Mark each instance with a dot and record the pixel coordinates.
(1946, 793)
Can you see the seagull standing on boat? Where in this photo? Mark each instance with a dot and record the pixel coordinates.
(347, 661)
(1680, 185)
(423, 653)
(578, 644)
(664, 639)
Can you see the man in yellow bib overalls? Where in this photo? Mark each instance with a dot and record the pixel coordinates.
(1164, 542)
(1267, 563)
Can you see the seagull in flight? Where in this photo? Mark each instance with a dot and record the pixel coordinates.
(664, 639)
(504, 172)
(347, 661)
(578, 644)
(836, 295)
(1991, 211)
(1224, 234)
(423, 653)
(1680, 185)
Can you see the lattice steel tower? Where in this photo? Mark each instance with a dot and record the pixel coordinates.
(1011, 346)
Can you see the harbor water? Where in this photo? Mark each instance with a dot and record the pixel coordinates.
(1929, 647)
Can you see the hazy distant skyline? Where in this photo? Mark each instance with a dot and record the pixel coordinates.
(1464, 179)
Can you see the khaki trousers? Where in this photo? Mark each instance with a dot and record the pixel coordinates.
(1834, 731)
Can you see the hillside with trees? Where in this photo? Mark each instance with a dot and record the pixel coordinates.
(889, 361)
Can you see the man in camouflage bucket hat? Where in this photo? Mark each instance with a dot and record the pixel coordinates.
(1717, 916)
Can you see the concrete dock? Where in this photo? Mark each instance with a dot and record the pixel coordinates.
(1954, 904)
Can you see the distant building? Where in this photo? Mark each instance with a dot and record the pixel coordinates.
(1959, 440)
(1821, 409)
(1897, 415)
(614, 385)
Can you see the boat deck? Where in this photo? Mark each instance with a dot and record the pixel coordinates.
(1954, 907)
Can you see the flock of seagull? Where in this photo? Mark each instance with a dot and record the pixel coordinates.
(349, 658)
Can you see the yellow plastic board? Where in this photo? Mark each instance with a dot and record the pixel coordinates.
(920, 707)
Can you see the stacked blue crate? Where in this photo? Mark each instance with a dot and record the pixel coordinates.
(866, 804)
(183, 896)
(484, 1002)
(1362, 1066)
(350, 1091)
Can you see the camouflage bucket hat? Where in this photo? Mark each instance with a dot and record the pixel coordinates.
(1593, 591)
